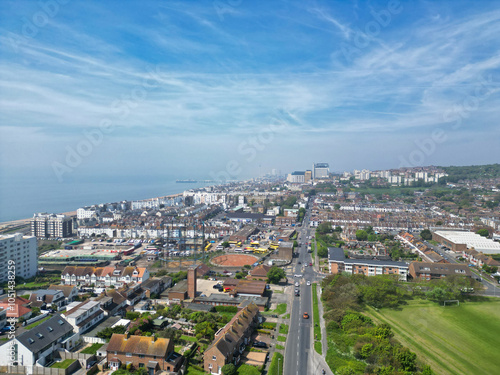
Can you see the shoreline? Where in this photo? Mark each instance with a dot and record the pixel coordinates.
(13, 223)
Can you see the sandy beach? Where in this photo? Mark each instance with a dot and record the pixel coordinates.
(14, 223)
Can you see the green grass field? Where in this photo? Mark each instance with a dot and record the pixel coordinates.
(461, 339)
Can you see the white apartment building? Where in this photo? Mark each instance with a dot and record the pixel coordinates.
(296, 177)
(86, 213)
(51, 225)
(320, 170)
(23, 251)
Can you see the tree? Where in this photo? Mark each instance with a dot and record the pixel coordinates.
(439, 222)
(338, 229)
(322, 251)
(324, 228)
(225, 244)
(275, 274)
(426, 234)
(483, 232)
(229, 369)
(361, 235)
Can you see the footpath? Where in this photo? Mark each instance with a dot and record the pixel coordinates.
(318, 361)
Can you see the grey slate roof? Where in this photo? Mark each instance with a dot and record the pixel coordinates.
(45, 334)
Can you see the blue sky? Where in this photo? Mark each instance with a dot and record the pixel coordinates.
(204, 88)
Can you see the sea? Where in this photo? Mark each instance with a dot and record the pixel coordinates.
(22, 194)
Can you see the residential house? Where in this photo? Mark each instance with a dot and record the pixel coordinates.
(84, 315)
(70, 291)
(18, 309)
(230, 341)
(45, 298)
(259, 272)
(38, 345)
(151, 353)
(112, 302)
(103, 276)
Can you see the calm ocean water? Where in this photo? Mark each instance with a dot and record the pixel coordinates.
(22, 194)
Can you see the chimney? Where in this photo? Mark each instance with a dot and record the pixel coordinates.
(191, 282)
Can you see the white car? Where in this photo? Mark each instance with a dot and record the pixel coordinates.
(308, 283)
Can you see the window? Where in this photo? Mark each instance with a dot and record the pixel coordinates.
(141, 365)
(141, 355)
(50, 329)
(39, 335)
(129, 354)
(31, 341)
(214, 358)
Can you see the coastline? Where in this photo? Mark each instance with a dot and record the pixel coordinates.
(13, 223)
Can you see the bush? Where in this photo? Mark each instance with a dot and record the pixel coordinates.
(227, 309)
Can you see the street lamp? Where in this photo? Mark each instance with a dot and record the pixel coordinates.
(279, 365)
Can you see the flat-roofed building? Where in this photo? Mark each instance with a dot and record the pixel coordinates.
(338, 263)
(20, 252)
(51, 225)
(460, 241)
(429, 271)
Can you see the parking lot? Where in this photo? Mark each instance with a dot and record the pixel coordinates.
(206, 287)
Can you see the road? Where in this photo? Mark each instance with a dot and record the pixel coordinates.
(298, 348)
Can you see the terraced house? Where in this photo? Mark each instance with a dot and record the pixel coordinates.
(150, 353)
(231, 340)
(103, 276)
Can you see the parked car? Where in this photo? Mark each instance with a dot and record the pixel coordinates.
(259, 344)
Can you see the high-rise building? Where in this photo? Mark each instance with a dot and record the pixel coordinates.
(320, 170)
(308, 176)
(51, 226)
(296, 177)
(18, 256)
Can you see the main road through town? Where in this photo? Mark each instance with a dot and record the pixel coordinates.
(298, 345)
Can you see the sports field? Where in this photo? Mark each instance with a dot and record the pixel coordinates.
(461, 339)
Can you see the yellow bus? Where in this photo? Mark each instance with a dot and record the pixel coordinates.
(254, 243)
(260, 250)
(239, 244)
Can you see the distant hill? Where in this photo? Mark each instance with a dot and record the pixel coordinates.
(472, 172)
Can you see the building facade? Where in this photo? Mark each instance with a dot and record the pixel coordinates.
(338, 263)
(150, 353)
(20, 253)
(320, 170)
(51, 226)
